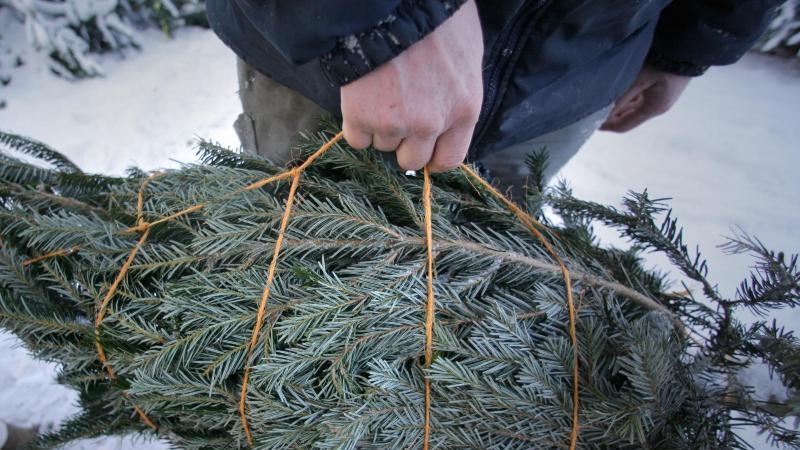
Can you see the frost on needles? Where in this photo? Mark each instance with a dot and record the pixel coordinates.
(338, 363)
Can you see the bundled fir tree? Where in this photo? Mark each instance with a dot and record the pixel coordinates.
(166, 296)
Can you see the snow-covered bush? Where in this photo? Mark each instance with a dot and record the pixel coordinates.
(67, 32)
(784, 32)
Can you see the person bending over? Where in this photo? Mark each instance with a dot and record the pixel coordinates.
(441, 81)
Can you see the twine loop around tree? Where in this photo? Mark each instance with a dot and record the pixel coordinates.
(142, 226)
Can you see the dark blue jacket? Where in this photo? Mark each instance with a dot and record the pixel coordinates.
(547, 63)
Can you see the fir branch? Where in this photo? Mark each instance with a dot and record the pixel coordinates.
(774, 284)
(637, 222)
(37, 150)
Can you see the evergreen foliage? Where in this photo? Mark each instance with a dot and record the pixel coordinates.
(67, 32)
(784, 31)
(339, 361)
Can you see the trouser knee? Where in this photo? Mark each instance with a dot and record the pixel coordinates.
(273, 116)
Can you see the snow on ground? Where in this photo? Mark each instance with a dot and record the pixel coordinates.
(727, 154)
(146, 111)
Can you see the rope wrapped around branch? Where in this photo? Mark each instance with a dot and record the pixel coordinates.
(144, 227)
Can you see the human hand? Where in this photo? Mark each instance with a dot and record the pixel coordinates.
(652, 94)
(424, 103)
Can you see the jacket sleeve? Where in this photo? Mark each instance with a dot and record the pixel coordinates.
(349, 37)
(694, 34)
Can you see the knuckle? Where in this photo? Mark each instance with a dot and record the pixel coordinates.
(445, 165)
(389, 130)
(446, 158)
(387, 122)
(355, 139)
(412, 158)
(468, 109)
(426, 127)
(357, 144)
(383, 143)
(411, 164)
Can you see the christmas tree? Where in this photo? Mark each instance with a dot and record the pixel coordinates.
(344, 304)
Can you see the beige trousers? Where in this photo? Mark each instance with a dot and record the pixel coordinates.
(273, 115)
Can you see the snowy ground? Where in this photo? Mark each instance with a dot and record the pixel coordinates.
(727, 154)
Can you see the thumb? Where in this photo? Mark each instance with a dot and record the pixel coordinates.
(648, 108)
(628, 103)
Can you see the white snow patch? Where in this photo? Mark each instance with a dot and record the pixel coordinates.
(28, 386)
(30, 396)
(146, 111)
(764, 387)
(728, 154)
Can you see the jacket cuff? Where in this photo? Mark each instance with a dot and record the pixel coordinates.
(667, 64)
(357, 54)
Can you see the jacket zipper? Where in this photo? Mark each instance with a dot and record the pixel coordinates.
(501, 63)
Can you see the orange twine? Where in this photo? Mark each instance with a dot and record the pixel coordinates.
(61, 252)
(431, 303)
(101, 310)
(144, 226)
(144, 417)
(532, 225)
(262, 307)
